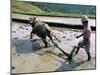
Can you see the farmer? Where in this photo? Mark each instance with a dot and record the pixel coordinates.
(85, 43)
(41, 29)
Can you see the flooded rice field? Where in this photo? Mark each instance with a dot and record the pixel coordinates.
(30, 56)
(63, 20)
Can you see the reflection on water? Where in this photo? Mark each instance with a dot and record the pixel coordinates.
(26, 46)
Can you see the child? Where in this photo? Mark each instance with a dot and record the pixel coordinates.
(85, 43)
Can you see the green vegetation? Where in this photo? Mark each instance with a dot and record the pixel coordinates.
(52, 9)
(25, 8)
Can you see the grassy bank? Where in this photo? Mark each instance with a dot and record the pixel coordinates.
(28, 8)
(53, 14)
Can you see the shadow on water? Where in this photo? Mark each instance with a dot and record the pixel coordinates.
(69, 65)
(26, 46)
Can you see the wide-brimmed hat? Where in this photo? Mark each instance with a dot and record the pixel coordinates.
(84, 18)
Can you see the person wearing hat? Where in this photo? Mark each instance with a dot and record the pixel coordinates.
(85, 43)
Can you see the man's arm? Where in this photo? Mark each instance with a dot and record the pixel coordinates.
(79, 35)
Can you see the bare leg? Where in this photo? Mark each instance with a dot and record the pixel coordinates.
(70, 55)
(87, 48)
(79, 46)
(45, 42)
(89, 56)
(73, 50)
(31, 34)
(77, 50)
(49, 35)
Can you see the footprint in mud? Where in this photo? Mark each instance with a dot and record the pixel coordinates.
(69, 39)
(13, 67)
(74, 34)
(64, 37)
(58, 33)
(26, 36)
(15, 37)
(26, 26)
(23, 62)
(27, 29)
(71, 32)
(20, 27)
(71, 35)
(13, 31)
(17, 29)
(18, 55)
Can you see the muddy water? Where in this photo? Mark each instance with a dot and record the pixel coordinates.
(64, 20)
(31, 56)
(74, 21)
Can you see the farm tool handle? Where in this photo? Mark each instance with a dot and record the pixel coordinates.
(56, 38)
(61, 50)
